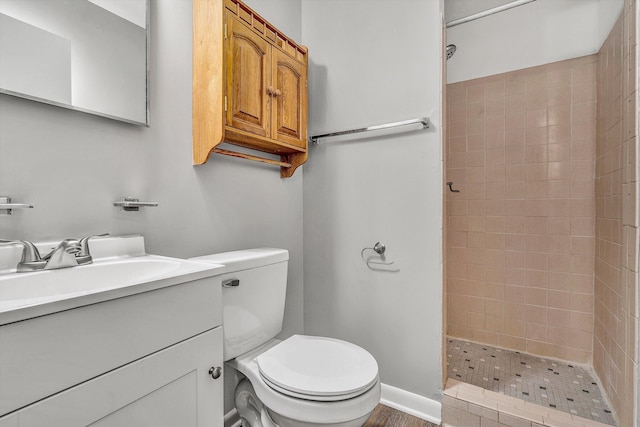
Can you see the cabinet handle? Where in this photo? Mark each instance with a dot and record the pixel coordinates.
(231, 283)
(215, 372)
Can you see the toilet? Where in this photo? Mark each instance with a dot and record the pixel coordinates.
(303, 381)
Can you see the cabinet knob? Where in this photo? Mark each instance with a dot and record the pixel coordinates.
(277, 92)
(270, 91)
(215, 372)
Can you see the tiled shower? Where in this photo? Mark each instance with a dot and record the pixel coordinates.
(522, 228)
(542, 236)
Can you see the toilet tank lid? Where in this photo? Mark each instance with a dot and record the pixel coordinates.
(246, 259)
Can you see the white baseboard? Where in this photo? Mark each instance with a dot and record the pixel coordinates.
(413, 404)
(396, 398)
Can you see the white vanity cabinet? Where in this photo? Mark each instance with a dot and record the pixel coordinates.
(142, 360)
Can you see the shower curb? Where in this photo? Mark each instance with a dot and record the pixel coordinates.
(466, 405)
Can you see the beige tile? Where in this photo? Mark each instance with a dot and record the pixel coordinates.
(451, 387)
(559, 115)
(560, 95)
(561, 77)
(514, 85)
(583, 112)
(550, 422)
(583, 92)
(582, 132)
(588, 423)
(561, 170)
(458, 418)
(483, 412)
(559, 134)
(455, 403)
(514, 343)
(484, 422)
(559, 152)
(536, 153)
(537, 135)
(475, 93)
(513, 421)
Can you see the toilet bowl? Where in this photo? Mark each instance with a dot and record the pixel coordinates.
(309, 381)
(302, 381)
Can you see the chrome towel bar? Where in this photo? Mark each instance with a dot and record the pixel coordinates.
(424, 121)
(6, 206)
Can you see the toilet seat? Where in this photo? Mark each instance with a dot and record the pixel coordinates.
(303, 409)
(318, 368)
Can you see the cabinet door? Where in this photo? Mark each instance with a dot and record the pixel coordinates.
(170, 388)
(248, 74)
(290, 103)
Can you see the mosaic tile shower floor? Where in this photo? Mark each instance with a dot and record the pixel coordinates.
(546, 382)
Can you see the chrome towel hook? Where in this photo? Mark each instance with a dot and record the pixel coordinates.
(450, 184)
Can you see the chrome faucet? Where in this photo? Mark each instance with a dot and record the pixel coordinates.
(68, 253)
(63, 255)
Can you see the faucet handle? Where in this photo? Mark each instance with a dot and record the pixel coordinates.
(69, 246)
(29, 250)
(84, 244)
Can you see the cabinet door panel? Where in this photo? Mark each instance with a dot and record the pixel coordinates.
(169, 388)
(169, 406)
(290, 106)
(248, 75)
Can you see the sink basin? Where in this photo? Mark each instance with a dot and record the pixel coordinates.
(25, 288)
(24, 295)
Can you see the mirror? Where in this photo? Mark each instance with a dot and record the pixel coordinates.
(86, 55)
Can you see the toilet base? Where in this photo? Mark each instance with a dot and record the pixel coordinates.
(250, 409)
(254, 414)
(283, 421)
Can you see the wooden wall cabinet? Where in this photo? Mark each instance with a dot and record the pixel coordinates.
(249, 86)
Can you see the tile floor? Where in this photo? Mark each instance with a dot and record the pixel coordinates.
(545, 382)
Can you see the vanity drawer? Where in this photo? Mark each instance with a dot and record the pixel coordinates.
(44, 355)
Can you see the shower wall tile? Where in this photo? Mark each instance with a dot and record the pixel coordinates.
(522, 241)
(616, 258)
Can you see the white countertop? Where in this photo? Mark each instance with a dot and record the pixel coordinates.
(120, 268)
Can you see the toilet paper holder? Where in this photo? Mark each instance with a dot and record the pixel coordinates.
(378, 248)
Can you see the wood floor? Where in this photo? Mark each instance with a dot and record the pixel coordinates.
(383, 416)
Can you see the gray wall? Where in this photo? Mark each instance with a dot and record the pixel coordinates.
(72, 166)
(375, 62)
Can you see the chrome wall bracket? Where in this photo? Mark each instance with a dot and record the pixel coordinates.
(131, 204)
(6, 207)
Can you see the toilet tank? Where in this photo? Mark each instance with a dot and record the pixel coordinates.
(254, 288)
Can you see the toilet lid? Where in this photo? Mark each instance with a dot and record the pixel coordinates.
(318, 368)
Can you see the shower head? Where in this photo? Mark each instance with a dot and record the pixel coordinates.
(451, 49)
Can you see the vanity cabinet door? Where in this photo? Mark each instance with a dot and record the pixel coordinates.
(248, 76)
(289, 78)
(169, 388)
